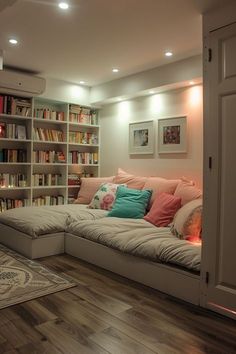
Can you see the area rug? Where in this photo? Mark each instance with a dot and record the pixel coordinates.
(22, 279)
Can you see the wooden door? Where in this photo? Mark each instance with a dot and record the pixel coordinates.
(219, 229)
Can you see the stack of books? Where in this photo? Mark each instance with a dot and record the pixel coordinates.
(47, 113)
(15, 105)
(12, 131)
(13, 155)
(43, 134)
(83, 158)
(48, 200)
(83, 138)
(41, 179)
(8, 203)
(82, 115)
(48, 156)
(74, 179)
(9, 180)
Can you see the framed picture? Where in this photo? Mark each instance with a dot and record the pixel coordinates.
(172, 135)
(141, 137)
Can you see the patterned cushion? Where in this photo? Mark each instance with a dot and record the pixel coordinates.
(104, 197)
(188, 220)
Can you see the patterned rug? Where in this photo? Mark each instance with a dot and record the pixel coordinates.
(22, 279)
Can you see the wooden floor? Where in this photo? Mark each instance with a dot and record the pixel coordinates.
(109, 314)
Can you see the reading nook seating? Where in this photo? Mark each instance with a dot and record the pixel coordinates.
(139, 227)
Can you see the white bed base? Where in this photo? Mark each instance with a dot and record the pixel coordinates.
(43, 246)
(171, 280)
(168, 279)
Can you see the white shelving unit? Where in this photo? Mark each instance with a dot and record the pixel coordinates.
(72, 151)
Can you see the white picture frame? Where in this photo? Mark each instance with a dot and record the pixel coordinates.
(141, 137)
(172, 135)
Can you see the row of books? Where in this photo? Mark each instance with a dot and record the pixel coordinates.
(47, 113)
(8, 203)
(82, 115)
(83, 138)
(40, 179)
(87, 158)
(9, 180)
(13, 155)
(12, 131)
(48, 156)
(43, 134)
(74, 179)
(48, 200)
(15, 105)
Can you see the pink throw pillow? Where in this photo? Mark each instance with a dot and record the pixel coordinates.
(131, 181)
(163, 209)
(159, 185)
(89, 187)
(187, 192)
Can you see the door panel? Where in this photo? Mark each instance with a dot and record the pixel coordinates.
(219, 229)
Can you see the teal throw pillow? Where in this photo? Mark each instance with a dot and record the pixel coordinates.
(130, 203)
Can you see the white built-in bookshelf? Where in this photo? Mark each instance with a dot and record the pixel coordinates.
(45, 147)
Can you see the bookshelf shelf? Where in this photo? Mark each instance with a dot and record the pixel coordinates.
(49, 187)
(17, 140)
(50, 121)
(46, 119)
(14, 188)
(49, 142)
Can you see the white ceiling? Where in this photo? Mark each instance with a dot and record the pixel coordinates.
(93, 36)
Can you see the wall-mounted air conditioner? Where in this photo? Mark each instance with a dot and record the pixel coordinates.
(17, 83)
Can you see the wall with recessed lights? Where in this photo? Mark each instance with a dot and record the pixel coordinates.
(115, 118)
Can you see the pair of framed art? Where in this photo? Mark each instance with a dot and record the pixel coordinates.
(171, 136)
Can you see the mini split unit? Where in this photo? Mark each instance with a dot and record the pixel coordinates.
(18, 83)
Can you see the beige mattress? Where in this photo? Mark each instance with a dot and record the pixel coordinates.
(139, 238)
(37, 221)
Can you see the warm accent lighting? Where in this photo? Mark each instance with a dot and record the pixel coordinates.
(151, 92)
(63, 5)
(191, 82)
(115, 70)
(82, 82)
(13, 41)
(168, 54)
(195, 240)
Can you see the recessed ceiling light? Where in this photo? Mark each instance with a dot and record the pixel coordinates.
(115, 70)
(119, 99)
(191, 82)
(63, 5)
(151, 92)
(168, 54)
(82, 82)
(13, 41)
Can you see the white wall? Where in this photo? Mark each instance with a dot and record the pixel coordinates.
(115, 118)
(66, 92)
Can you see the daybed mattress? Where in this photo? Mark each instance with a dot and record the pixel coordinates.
(139, 238)
(37, 221)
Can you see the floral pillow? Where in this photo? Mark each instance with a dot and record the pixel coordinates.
(104, 197)
(188, 220)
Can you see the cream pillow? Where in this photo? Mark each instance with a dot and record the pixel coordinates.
(88, 188)
(188, 220)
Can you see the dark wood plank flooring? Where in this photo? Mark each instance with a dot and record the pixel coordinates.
(106, 313)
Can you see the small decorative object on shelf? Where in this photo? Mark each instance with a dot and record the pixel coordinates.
(74, 179)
